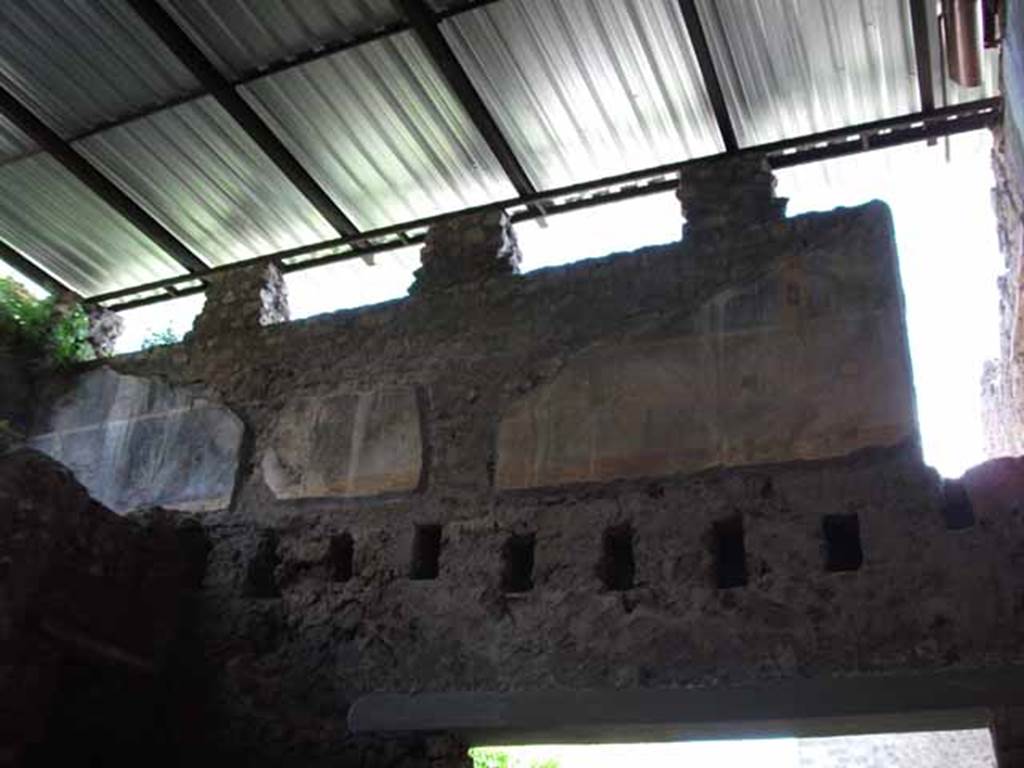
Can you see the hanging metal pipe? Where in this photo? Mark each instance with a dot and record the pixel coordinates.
(963, 43)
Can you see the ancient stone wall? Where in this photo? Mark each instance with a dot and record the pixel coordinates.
(691, 465)
(15, 395)
(93, 610)
(1003, 379)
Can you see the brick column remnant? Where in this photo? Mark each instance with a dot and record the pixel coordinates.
(1007, 728)
(242, 298)
(104, 328)
(468, 249)
(728, 193)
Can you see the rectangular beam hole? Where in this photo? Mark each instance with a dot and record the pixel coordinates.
(426, 552)
(842, 542)
(339, 557)
(261, 570)
(616, 568)
(730, 553)
(517, 563)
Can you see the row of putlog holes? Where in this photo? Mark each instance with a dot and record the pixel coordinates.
(616, 567)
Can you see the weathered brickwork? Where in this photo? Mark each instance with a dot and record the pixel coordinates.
(468, 249)
(728, 193)
(241, 300)
(1003, 379)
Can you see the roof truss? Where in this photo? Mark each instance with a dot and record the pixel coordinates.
(424, 22)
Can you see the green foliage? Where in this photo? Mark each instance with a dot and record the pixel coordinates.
(489, 757)
(40, 329)
(160, 338)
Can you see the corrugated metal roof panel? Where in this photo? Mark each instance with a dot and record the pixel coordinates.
(55, 221)
(77, 64)
(241, 36)
(13, 143)
(193, 168)
(379, 129)
(587, 88)
(958, 94)
(794, 67)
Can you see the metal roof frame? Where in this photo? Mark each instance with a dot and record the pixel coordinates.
(314, 54)
(922, 53)
(919, 18)
(424, 22)
(691, 17)
(161, 23)
(36, 274)
(21, 116)
(879, 134)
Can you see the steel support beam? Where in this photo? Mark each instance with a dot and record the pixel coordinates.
(922, 52)
(38, 276)
(161, 23)
(708, 72)
(292, 61)
(839, 142)
(110, 193)
(424, 24)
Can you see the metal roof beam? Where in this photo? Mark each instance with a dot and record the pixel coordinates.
(424, 24)
(66, 155)
(37, 275)
(161, 23)
(923, 53)
(707, 70)
(838, 142)
(320, 52)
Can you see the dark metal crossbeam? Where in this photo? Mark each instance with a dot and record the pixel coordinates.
(161, 23)
(922, 53)
(707, 70)
(66, 155)
(290, 62)
(879, 134)
(31, 271)
(424, 24)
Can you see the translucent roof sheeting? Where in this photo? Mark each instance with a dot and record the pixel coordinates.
(242, 35)
(78, 64)
(379, 128)
(55, 221)
(195, 170)
(587, 88)
(578, 90)
(795, 67)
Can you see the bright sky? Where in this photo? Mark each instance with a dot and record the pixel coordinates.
(945, 230)
(949, 263)
(35, 290)
(974, 746)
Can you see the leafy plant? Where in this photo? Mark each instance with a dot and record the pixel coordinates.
(42, 329)
(160, 338)
(485, 757)
(489, 758)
